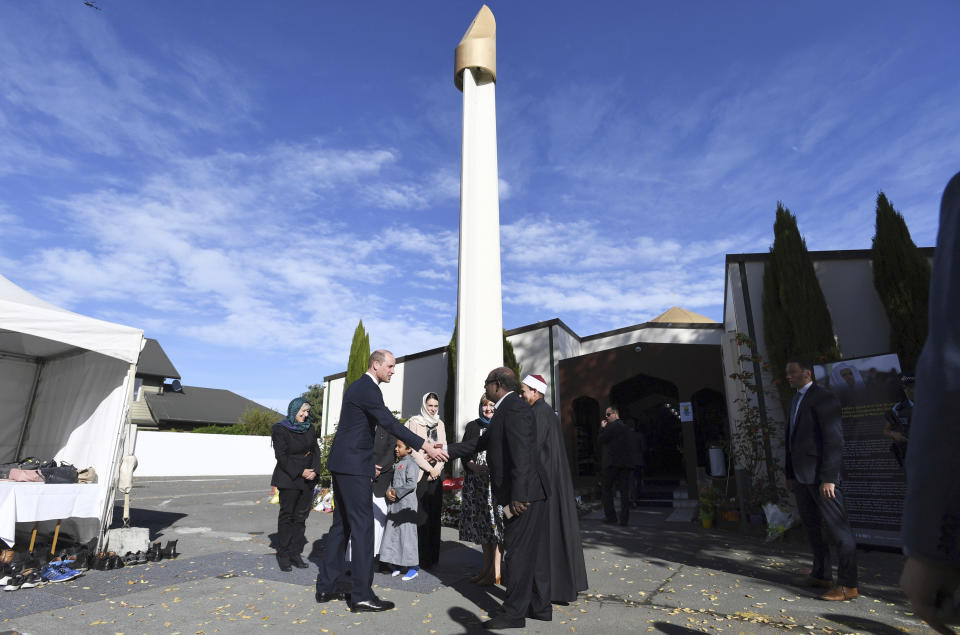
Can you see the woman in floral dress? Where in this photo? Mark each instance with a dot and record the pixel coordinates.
(481, 519)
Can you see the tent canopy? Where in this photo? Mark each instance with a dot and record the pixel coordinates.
(65, 382)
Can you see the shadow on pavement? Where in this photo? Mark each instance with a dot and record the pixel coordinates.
(154, 520)
(861, 624)
(673, 629)
(660, 542)
(470, 622)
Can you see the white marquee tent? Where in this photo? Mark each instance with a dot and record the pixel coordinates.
(65, 388)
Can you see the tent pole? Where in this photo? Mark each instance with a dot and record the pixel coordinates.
(106, 515)
(29, 413)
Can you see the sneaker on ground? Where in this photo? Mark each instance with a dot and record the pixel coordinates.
(410, 575)
(14, 584)
(32, 580)
(60, 574)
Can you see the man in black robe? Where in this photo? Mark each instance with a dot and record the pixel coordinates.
(568, 573)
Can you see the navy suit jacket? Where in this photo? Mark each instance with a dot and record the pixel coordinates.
(931, 512)
(815, 448)
(510, 441)
(362, 411)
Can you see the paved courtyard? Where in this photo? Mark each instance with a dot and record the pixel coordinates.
(653, 576)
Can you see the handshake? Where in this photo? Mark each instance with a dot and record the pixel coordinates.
(436, 451)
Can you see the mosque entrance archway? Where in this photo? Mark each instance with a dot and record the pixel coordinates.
(651, 405)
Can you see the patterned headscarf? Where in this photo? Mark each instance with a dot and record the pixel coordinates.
(291, 421)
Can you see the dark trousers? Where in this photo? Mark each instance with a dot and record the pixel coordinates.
(637, 483)
(526, 561)
(292, 522)
(430, 502)
(825, 520)
(614, 479)
(352, 517)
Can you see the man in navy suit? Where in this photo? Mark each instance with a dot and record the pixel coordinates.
(814, 462)
(931, 511)
(351, 464)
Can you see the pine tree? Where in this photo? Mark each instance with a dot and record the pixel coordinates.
(359, 355)
(801, 297)
(901, 275)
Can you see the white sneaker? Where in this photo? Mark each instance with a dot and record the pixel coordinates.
(395, 573)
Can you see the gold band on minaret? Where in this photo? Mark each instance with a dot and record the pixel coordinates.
(477, 50)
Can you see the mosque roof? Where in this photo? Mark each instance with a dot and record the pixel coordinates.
(676, 315)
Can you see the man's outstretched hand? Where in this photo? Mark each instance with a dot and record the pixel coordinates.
(435, 451)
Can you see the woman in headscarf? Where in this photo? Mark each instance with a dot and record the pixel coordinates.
(481, 519)
(430, 485)
(298, 463)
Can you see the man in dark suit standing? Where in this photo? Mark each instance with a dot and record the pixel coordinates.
(813, 464)
(931, 511)
(351, 464)
(616, 439)
(520, 486)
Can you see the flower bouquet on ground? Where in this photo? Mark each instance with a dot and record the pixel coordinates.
(450, 514)
(778, 521)
(709, 500)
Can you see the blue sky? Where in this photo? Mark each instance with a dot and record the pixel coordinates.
(246, 180)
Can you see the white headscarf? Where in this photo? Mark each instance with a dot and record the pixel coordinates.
(430, 421)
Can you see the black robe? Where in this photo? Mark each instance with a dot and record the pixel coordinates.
(568, 573)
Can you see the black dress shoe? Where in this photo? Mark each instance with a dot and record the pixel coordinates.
(298, 562)
(543, 617)
(504, 622)
(371, 606)
(284, 564)
(323, 598)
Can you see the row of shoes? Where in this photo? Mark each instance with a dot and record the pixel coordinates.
(155, 553)
(31, 572)
(16, 576)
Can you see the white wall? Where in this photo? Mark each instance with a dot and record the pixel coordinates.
(186, 454)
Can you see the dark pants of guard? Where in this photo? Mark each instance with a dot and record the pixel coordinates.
(430, 502)
(292, 522)
(352, 517)
(527, 564)
(825, 520)
(616, 479)
(637, 483)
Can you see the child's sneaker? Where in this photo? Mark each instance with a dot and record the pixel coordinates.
(411, 574)
(395, 573)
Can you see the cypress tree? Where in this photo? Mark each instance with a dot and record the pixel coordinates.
(510, 358)
(777, 331)
(901, 275)
(450, 398)
(359, 355)
(801, 297)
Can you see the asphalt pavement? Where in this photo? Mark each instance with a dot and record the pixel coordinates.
(651, 576)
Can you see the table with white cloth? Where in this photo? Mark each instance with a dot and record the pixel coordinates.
(32, 502)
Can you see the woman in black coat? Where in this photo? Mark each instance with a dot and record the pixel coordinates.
(298, 462)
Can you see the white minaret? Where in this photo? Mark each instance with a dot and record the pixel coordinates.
(479, 307)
